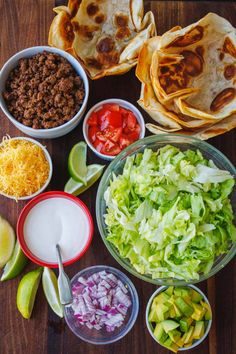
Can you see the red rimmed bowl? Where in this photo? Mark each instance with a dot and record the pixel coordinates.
(51, 218)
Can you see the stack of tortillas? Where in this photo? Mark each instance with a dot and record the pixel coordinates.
(105, 36)
(189, 79)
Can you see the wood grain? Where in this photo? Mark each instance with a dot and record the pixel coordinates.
(25, 23)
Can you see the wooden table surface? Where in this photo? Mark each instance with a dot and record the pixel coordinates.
(25, 23)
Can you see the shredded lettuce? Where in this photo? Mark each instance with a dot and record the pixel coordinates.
(169, 213)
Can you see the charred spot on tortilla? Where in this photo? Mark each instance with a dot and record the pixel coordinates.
(174, 78)
(221, 56)
(200, 51)
(191, 37)
(105, 45)
(230, 72)
(193, 63)
(94, 63)
(100, 18)
(108, 58)
(66, 29)
(122, 32)
(223, 98)
(74, 6)
(92, 9)
(229, 48)
(84, 30)
(120, 20)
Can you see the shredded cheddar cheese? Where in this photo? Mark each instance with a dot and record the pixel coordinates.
(24, 168)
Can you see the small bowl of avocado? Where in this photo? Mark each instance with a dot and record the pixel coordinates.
(178, 317)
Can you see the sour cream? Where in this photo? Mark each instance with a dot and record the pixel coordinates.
(56, 220)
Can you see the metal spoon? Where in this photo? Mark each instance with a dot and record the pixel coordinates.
(64, 285)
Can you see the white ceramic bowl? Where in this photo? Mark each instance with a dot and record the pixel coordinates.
(48, 157)
(121, 103)
(149, 326)
(43, 133)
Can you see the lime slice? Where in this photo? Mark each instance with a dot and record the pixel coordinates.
(76, 188)
(77, 162)
(15, 264)
(51, 292)
(7, 241)
(26, 292)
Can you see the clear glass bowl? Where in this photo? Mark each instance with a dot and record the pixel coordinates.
(151, 329)
(101, 336)
(155, 142)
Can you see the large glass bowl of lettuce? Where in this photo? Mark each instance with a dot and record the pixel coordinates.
(165, 209)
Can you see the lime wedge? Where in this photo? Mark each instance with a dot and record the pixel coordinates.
(15, 264)
(50, 288)
(76, 188)
(26, 292)
(7, 241)
(77, 162)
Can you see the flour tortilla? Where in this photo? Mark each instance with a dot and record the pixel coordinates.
(210, 59)
(104, 35)
(202, 75)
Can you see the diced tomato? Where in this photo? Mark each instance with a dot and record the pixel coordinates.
(92, 132)
(101, 136)
(114, 119)
(114, 134)
(102, 115)
(113, 107)
(134, 134)
(131, 121)
(124, 142)
(93, 119)
(109, 145)
(112, 128)
(98, 145)
(115, 150)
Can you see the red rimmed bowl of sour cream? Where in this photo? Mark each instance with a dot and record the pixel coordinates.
(54, 218)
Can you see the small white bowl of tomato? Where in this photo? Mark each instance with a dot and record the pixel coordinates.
(112, 125)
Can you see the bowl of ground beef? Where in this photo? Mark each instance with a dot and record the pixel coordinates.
(43, 91)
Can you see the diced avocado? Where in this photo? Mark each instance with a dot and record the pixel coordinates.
(198, 330)
(160, 334)
(184, 307)
(183, 339)
(161, 298)
(171, 300)
(199, 312)
(188, 300)
(177, 311)
(152, 317)
(180, 342)
(172, 312)
(175, 335)
(196, 297)
(162, 312)
(189, 320)
(169, 325)
(188, 345)
(159, 331)
(170, 345)
(169, 290)
(189, 335)
(180, 291)
(208, 314)
(184, 326)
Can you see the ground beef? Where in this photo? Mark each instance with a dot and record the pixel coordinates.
(44, 91)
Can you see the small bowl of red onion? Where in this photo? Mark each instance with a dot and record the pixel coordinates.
(105, 305)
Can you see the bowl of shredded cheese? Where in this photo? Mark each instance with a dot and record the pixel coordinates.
(25, 168)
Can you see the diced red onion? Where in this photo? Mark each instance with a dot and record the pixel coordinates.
(102, 300)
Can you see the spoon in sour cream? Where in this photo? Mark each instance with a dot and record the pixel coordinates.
(64, 286)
